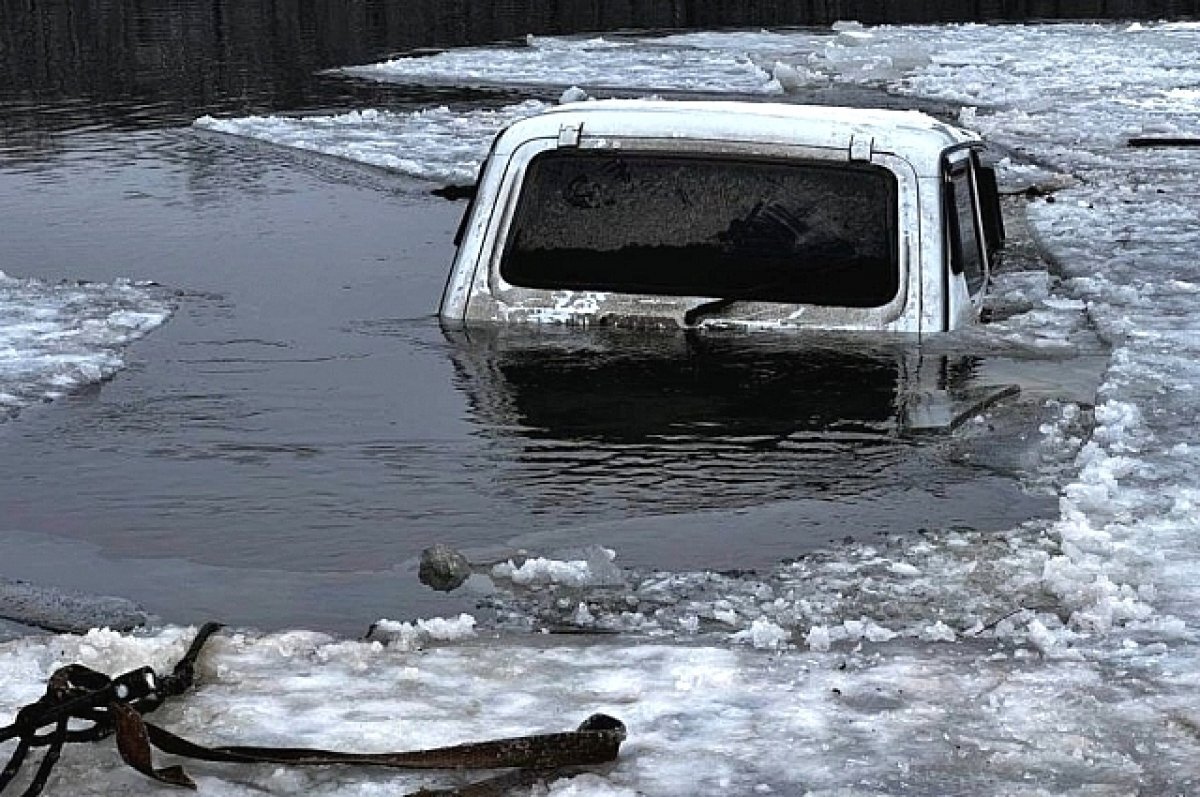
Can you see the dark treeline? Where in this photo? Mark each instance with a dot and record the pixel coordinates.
(155, 60)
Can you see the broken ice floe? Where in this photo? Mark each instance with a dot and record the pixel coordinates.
(433, 144)
(67, 610)
(935, 588)
(596, 63)
(58, 337)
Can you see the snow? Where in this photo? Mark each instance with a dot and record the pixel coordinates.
(1058, 657)
(55, 338)
(703, 719)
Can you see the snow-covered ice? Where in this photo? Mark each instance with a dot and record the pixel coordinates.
(595, 569)
(1059, 657)
(58, 337)
(596, 63)
(433, 144)
(889, 718)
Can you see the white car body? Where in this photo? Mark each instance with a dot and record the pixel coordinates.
(912, 185)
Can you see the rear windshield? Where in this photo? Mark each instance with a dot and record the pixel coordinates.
(804, 233)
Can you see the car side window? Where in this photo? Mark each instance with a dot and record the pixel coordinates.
(966, 241)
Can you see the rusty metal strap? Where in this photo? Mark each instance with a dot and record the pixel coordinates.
(597, 740)
(1165, 141)
(76, 692)
(117, 705)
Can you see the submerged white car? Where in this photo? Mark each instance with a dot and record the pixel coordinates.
(728, 214)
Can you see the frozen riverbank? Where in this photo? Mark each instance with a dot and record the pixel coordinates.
(898, 717)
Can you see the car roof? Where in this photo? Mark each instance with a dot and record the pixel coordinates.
(916, 136)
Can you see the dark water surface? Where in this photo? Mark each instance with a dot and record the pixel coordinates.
(280, 452)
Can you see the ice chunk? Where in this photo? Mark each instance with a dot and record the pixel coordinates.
(573, 94)
(416, 635)
(818, 638)
(792, 77)
(597, 569)
(938, 632)
(57, 337)
(764, 634)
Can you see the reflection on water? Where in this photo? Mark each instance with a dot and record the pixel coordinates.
(705, 451)
(676, 423)
(690, 388)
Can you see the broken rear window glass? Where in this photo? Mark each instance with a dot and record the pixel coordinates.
(803, 233)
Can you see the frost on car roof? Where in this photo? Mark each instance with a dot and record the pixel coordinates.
(921, 137)
(668, 213)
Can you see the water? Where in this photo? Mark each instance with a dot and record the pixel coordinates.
(252, 411)
(281, 450)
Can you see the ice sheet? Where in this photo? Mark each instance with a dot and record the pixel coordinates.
(596, 63)
(890, 718)
(434, 144)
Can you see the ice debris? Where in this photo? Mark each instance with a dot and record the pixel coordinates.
(595, 569)
(419, 633)
(57, 609)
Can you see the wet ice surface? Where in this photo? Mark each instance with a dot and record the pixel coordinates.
(63, 610)
(1055, 658)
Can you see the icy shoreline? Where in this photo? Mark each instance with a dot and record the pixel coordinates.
(879, 718)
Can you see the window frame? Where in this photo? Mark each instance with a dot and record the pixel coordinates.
(952, 172)
(476, 290)
(895, 243)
